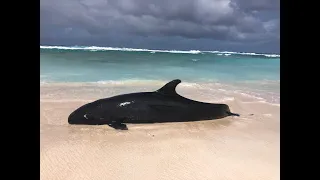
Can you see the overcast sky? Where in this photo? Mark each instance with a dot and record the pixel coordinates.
(233, 25)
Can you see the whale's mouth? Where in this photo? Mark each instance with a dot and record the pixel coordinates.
(232, 114)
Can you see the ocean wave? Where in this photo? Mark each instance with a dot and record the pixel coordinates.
(97, 48)
(228, 53)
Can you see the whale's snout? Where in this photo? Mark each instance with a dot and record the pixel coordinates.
(84, 116)
(73, 118)
(77, 117)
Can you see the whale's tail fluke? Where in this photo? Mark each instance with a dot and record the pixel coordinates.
(232, 114)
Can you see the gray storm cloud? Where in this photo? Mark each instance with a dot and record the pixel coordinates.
(234, 20)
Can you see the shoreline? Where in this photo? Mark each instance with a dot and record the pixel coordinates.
(222, 89)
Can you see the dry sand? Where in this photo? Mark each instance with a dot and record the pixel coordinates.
(244, 148)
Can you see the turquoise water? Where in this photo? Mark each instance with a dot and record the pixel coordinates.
(69, 65)
(256, 75)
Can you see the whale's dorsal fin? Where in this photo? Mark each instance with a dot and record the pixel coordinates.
(170, 88)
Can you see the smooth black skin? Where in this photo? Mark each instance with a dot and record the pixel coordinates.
(163, 105)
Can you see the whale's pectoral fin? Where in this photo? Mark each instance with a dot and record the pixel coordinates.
(170, 88)
(117, 124)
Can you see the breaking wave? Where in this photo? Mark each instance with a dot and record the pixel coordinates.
(97, 48)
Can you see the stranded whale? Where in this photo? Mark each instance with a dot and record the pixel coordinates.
(163, 105)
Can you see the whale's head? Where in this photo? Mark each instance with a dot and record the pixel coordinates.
(87, 114)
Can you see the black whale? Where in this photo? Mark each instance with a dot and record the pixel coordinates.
(163, 105)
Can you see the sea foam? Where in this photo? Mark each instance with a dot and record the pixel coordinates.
(98, 48)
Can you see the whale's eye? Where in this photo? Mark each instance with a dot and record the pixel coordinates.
(88, 116)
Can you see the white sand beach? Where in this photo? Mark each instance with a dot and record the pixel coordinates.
(233, 148)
